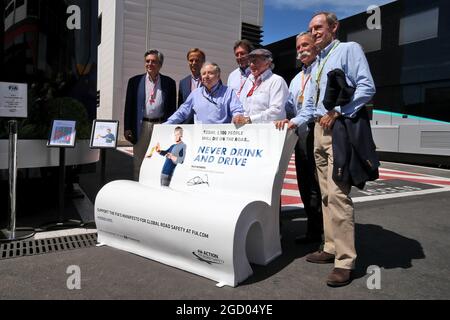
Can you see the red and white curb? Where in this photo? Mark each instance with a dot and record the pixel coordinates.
(290, 195)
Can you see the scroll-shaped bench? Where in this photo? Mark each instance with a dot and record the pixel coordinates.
(221, 210)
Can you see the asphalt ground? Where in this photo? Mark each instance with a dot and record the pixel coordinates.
(407, 238)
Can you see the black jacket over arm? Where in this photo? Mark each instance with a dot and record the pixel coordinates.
(355, 160)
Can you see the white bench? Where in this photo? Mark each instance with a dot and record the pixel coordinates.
(221, 211)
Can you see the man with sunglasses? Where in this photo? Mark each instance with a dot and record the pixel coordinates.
(150, 99)
(264, 94)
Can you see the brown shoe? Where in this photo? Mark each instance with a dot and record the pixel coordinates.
(339, 277)
(320, 257)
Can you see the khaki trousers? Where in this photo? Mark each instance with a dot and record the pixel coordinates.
(337, 207)
(140, 148)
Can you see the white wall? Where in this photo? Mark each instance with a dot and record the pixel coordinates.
(252, 11)
(130, 27)
(107, 59)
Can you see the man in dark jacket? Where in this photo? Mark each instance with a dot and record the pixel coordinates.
(150, 100)
(196, 58)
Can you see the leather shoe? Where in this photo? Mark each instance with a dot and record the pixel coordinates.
(321, 257)
(339, 277)
(308, 240)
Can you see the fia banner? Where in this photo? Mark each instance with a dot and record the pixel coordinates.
(13, 100)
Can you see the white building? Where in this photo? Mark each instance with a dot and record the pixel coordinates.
(130, 27)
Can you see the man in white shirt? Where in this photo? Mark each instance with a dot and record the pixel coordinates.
(264, 95)
(238, 78)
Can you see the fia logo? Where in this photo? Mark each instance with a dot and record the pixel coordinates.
(13, 88)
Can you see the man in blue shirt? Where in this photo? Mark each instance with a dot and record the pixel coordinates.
(304, 149)
(174, 155)
(109, 137)
(337, 206)
(212, 103)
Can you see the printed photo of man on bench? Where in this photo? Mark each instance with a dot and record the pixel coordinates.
(174, 155)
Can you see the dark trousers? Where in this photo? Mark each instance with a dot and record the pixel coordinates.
(307, 181)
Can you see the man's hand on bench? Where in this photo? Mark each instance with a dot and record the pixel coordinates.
(241, 120)
(282, 123)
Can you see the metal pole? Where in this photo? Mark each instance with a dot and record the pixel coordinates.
(62, 178)
(12, 176)
(13, 233)
(103, 167)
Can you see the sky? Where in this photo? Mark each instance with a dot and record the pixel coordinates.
(286, 18)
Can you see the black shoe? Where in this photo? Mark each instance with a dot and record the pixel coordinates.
(308, 240)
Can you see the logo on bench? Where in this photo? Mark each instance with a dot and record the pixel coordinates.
(208, 257)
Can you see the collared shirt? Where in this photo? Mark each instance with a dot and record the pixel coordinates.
(237, 79)
(153, 98)
(350, 58)
(264, 99)
(218, 106)
(195, 82)
(297, 90)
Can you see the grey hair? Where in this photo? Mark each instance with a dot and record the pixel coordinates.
(156, 53)
(331, 17)
(304, 33)
(270, 59)
(214, 65)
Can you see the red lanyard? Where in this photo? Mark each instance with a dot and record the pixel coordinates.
(242, 85)
(256, 85)
(152, 96)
